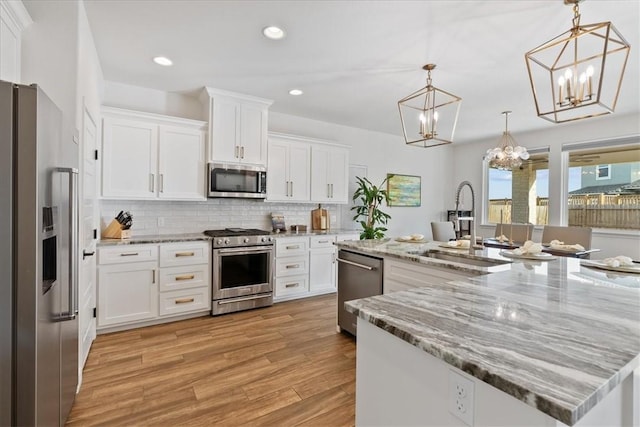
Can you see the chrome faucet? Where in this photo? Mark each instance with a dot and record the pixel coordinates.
(472, 240)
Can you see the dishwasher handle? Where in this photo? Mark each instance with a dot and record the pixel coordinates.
(355, 264)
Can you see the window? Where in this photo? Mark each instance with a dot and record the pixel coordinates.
(602, 172)
(522, 195)
(604, 185)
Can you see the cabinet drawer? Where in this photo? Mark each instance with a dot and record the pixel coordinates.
(290, 247)
(178, 302)
(184, 277)
(291, 266)
(189, 253)
(321, 241)
(292, 285)
(343, 237)
(127, 253)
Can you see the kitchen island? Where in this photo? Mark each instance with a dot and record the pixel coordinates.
(536, 343)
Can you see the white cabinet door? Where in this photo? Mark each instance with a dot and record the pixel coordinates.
(322, 269)
(225, 117)
(129, 162)
(127, 293)
(329, 173)
(253, 134)
(320, 185)
(277, 171)
(299, 171)
(338, 174)
(181, 166)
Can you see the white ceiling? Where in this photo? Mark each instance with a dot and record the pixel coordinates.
(353, 59)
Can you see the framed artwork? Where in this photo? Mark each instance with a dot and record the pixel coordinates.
(403, 190)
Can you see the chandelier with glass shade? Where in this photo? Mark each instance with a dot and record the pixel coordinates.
(578, 74)
(507, 155)
(429, 115)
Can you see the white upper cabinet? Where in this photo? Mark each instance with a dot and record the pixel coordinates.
(288, 169)
(330, 172)
(237, 127)
(148, 156)
(14, 18)
(129, 152)
(179, 147)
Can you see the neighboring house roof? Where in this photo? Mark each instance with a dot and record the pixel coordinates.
(601, 189)
(633, 187)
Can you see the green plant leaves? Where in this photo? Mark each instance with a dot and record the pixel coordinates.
(368, 211)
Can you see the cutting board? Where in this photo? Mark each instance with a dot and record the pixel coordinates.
(319, 219)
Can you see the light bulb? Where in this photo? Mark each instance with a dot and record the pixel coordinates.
(518, 150)
(560, 81)
(568, 74)
(583, 78)
(590, 71)
(423, 119)
(435, 116)
(525, 155)
(508, 150)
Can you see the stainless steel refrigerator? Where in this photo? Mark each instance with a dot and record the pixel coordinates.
(38, 260)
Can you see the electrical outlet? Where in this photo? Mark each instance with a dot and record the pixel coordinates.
(461, 397)
(160, 221)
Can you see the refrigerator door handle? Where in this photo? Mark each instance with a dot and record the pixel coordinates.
(73, 245)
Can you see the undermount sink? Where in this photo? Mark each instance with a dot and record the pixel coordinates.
(463, 258)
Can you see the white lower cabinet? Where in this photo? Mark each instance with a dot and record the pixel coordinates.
(127, 293)
(306, 266)
(138, 284)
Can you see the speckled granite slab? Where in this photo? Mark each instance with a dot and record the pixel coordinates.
(156, 238)
(554, 335)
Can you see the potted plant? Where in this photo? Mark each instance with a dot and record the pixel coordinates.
(368, 212)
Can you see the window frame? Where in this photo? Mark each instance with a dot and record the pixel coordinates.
(566, 150)
(485, 182)
(598, 177)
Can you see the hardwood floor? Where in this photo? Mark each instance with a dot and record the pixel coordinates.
(283, 365)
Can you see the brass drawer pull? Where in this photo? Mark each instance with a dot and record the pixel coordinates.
(293, 266)
(291, 285)
(184, 300)
(179, 254)
(186, 277)
(129, 254)
(293, 247)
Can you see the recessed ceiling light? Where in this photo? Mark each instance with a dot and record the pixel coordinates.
(274, 33)
(163, 60)
(295, 92)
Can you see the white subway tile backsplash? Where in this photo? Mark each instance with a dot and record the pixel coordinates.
(193, 217)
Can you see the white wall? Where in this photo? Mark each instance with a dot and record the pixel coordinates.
(90, 82)
(468, 166)
(152, 101)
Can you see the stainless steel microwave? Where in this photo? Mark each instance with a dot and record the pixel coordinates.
(236, 180)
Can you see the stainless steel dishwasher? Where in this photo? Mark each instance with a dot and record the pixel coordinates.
(359, 276)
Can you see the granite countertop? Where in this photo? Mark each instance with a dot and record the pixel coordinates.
(155, 238)
(554, 334)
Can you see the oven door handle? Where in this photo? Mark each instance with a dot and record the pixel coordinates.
(245, 250)
(232, 300)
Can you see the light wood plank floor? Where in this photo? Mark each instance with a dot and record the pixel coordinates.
(283, 365)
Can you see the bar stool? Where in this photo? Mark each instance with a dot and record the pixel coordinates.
(568, 235)
(443, 231)
(518, 233)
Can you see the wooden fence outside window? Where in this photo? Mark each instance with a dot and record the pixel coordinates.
(585, 210)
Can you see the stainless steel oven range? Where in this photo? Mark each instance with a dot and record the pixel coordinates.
(242, 269)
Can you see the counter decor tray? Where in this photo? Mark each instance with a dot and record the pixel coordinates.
(541, 256)
(602, 266)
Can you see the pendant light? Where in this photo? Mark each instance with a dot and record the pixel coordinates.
(578, 74)
(507, 155)
(429, 115)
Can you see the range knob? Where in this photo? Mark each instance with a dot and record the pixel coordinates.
(226, 241)
(246, 240)
(271, 239)
(219, 241)
(264, 239)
